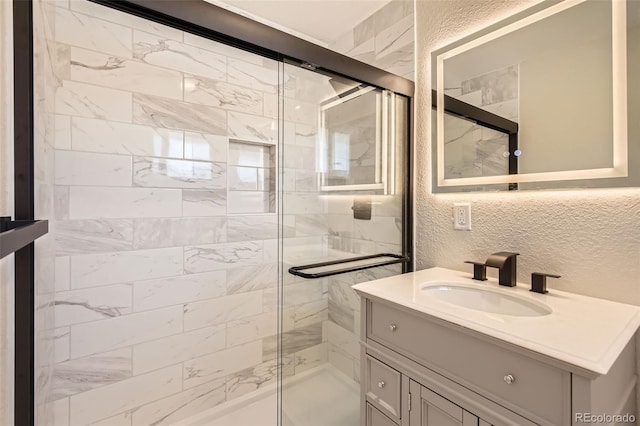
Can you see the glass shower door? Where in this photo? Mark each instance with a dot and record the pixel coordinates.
(341, 197)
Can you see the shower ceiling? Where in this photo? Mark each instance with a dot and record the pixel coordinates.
(319, 21)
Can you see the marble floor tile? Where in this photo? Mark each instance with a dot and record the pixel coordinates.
(171, 410)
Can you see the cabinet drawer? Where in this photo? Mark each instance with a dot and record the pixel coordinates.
(382, 384)
(376, 418)
(538, 388)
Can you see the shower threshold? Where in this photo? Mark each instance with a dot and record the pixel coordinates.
(322, 396)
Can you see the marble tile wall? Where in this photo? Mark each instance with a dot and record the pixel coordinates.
(166, 298)
(45, 82)
(472, 150)
(385, 39)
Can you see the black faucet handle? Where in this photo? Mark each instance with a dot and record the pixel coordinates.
(539, 282)
(479, 270)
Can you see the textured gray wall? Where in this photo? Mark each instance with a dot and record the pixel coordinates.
(590, 237)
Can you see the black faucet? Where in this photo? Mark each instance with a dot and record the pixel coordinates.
(506, 263)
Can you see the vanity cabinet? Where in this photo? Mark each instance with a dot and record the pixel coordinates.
(420, 370)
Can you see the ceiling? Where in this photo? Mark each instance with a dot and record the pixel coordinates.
(319, 21)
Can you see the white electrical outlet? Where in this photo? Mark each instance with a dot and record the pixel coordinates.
(462, 216)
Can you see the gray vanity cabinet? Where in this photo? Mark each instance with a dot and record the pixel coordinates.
(430, 409)
(419, 370)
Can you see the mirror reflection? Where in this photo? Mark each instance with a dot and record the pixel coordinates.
(539, 97)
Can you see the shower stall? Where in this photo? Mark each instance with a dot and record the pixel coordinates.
(210, 204)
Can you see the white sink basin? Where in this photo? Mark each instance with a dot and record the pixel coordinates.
(483, 299)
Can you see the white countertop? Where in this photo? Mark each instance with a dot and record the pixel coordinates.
(583, 331)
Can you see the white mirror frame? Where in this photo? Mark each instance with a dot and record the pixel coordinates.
(620, 137)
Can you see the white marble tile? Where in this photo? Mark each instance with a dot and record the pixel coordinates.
(224, 49)
(221, 364)
(212, 257)
(310, 357)
(210, 312)
(341, 361)
(311, 224)
(303, 203)
(61, 202)
(92, 33)
(252, 128)
(298, 111)
(93, 236)
(343, 340)
(253, 378)
(97, 202)
(172, 54)
(242, 178)
(62, 344)
(171, 410)
(250, 278)
(201, 146)
(122, 138)
(181, 347)
(122, 18)
(244, 202)
(248, 228)
(86, 100)
(61, 412)
(292, 341)
(381, 229)
(272, 107)
(158, 293)
(306, 135)
(395, 37)
(259, 77)
(125, 395)
(306, 180)
(224, 95)
(172, 173)
(271, 250)
(63, 271)
(168, 113)
(122, 419)
(309, 313)
(63, 132)
(77, 306)
(124, 74)
(204, 203)
(89, 169)
(252, 328)
(113, 333)
(300, 293)
(154, 233)
(250, 155)
(111, 268)
(83, 374)
(300, 157)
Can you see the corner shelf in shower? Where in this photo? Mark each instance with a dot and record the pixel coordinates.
(323, 269)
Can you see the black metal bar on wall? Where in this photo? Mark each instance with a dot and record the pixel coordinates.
(24, 395)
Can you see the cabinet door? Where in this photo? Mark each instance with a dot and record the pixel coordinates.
(430, 409)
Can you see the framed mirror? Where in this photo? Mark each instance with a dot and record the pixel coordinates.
(547, 98)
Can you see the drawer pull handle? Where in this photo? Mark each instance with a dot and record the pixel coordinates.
(392, 327)
(509, 379)
(381, 384)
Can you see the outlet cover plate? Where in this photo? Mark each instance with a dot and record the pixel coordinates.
(462, 216)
